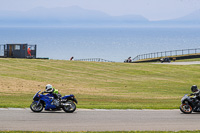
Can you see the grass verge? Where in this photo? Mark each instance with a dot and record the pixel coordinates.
(96, 84)
(188, 60)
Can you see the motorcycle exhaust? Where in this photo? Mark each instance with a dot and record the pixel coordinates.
(65, 104)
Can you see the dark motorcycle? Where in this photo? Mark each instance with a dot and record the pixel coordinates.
(67, 103)
(166, 59)
(190, 104)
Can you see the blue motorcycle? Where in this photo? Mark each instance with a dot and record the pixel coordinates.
(40, 101)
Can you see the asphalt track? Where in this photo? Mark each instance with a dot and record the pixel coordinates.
(98, 120)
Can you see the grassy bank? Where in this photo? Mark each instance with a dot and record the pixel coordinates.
(98, 85)
(188, 60)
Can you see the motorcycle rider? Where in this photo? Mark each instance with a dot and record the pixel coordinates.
(195, 91)
(49, 89)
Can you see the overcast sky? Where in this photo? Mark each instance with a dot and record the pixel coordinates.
(151, 9)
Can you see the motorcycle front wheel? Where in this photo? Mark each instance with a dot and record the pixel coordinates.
(36, 108)
(186, 108)
(70, 108)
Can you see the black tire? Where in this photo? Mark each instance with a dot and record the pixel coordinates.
(186, 109)
(69, 108)
(36, 108)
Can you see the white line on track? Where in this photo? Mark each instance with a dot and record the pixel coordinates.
(100, 109)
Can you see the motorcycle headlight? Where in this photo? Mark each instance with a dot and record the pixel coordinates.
(34, 96)
(184, 97)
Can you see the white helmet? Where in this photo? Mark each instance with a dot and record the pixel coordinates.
(48, 86)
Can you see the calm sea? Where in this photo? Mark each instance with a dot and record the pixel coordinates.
(114, 44)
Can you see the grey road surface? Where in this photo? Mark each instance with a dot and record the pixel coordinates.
(98, 120)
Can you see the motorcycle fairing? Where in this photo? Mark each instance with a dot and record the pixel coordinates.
(70, 97)
(67, 97)
(47, 99)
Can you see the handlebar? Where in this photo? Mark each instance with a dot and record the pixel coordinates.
(191, 94)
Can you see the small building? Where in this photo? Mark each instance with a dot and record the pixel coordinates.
(17, 51)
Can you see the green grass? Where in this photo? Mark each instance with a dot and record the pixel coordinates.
(98, 85)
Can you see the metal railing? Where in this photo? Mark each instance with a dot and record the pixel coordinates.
(93, 60)
(167, 54)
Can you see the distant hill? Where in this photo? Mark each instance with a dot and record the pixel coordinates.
(76, 16)
(190, 20)
(192, 17)
(65, 16)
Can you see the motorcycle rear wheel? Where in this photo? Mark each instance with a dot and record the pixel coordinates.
(36, 108)
(186, 108)
(70, 108)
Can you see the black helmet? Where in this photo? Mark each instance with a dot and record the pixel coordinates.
(194, 88)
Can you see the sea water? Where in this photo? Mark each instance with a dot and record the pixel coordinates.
(114, 44)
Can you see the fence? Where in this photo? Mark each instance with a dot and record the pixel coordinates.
(167, 53)
(94, 60)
